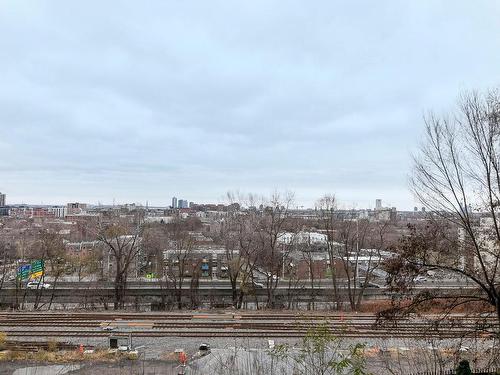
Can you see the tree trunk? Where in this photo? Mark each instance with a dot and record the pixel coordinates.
(234, 292)
(119, 291)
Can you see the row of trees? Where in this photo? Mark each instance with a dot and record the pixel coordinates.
(260, 247)
(48, 246)
(267, 244)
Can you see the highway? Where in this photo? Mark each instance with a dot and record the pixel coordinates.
(225, 284)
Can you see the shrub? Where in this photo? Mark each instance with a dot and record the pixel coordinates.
(52, 345)
(464, 368)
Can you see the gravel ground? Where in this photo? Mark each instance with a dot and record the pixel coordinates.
(123, 367)
(158, 349)
(158, 352)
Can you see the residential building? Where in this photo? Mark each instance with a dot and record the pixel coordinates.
(58, 211)
(76, 208)
(174, 202)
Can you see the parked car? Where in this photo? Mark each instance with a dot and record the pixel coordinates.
(258, 285)
(369, 285)
(420, 279)
(37, 285)
(252, 285)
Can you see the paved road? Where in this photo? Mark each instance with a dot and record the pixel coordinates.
(225, 284)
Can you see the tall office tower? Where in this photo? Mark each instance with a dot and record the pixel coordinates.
(174, 202)
(378, 204)
(2, 199)
(183, 203)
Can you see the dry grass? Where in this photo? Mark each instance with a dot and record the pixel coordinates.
(133, 356)
(52, 345)
(436, 306)
(375, 306)
(3, 340)
(60, 356)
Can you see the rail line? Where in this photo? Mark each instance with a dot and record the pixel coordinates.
(211, 315)
(236, 334)
(233, 324)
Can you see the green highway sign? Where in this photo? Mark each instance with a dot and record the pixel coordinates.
(37, 268)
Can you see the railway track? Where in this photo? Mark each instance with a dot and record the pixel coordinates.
(230, 325)
(207, 315)
(240, 334)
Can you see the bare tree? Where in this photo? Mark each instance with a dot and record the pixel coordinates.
(249, 247)
(232, 235)
(122, 239)
(356, 245)
(273, 224)
(352, 236)
(457, 176)
(54, 254)
(295, 283)
(49, 248)
(155, 242)
(86, 264)
(181, 248)
(7, 256)
(307, 255)
(327, 218)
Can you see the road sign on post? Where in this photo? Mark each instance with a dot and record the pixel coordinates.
(37, 268)
(23, 272)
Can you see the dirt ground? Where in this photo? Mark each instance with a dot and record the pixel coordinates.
(137, 367)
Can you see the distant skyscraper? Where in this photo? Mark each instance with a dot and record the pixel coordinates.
(183, 203)
(378, 204)
(2, 199)
(174, 202)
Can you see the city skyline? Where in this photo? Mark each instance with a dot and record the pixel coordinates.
(175, 202)
(96, 106)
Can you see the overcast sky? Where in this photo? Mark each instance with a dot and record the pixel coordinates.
(136, 101)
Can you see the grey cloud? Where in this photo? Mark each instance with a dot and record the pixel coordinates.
(103, 100)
